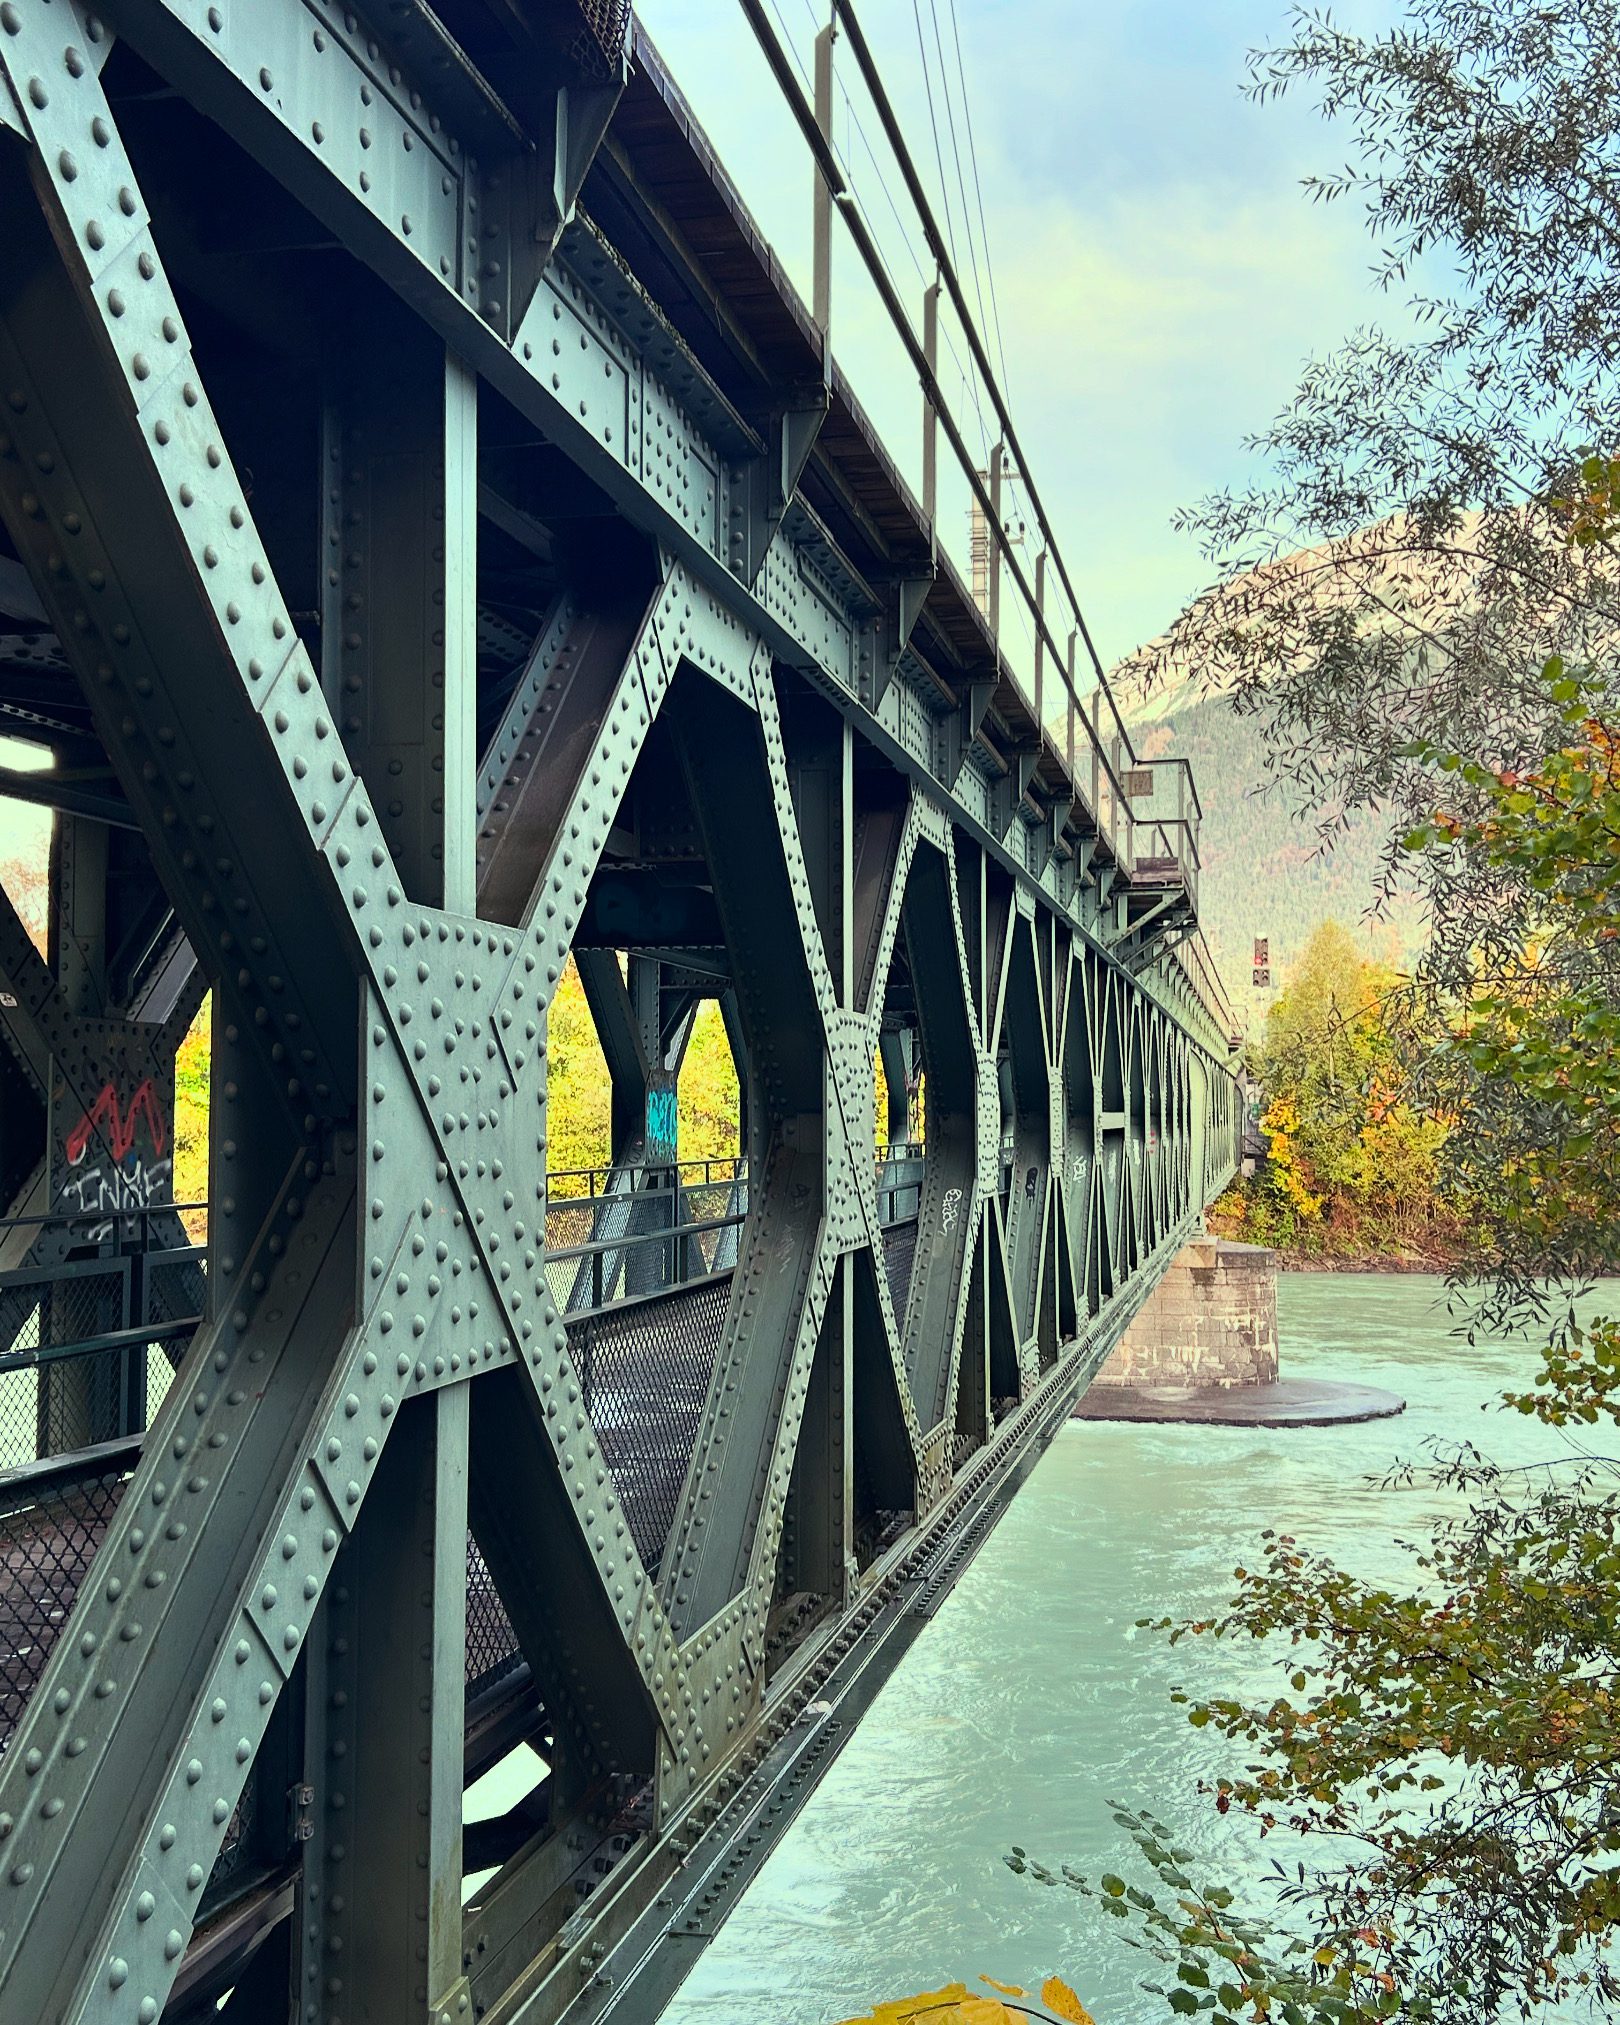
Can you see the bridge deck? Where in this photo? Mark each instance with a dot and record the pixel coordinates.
(644, 1358)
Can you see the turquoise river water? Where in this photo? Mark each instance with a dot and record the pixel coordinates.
(1032, 1700)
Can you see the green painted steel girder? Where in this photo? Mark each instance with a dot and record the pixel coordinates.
(382, 841)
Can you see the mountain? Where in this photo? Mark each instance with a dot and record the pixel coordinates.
(1264, 869)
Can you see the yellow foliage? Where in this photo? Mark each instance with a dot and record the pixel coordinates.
(579, 1124)
(191, 1084)
(579, 1106)
(955, 2004)
(1280, 1120)
(1057, 1996)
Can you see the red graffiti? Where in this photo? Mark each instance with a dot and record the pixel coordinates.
(120, 1126)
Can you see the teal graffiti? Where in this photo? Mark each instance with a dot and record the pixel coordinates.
(660, 1124)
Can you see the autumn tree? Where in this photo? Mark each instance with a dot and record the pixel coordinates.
(1353, 1164)
(1424, 617)
(1398, 575)
(1457, 1741)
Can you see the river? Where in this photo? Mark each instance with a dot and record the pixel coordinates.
(1032, 1700)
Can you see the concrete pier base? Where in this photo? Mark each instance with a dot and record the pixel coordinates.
(1204, 1349)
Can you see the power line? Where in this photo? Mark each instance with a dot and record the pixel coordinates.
(844, 204)
(925, 213)
(956, 158)
(793, 47)
(933, 121)
(837, 170)
(978, 192)
(970, 389)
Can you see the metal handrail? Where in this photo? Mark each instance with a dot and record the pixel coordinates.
(144, 1211)
(136, 1338)
(1195, 952)
(567, 1254)
(25, 1482)
(843, 201)
(1186, 766)
(737, 1163)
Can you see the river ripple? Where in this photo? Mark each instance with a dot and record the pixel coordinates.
(1032, 1700)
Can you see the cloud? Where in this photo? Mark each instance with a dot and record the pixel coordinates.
(1141, 351)
(1159, 274)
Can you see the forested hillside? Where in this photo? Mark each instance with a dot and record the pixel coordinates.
(1266, 869)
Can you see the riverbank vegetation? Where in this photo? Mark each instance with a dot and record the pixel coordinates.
(1426, 627)
(1351, 1170)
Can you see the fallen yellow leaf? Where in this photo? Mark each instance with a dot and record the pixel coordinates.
(1057, 1996)
(1006, 1989)
(982, 2011)
(938, 2007)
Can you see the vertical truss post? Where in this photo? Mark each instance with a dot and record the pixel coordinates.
(842, 957)
(974, 1416)
(659, 1124)
(1040, 645)
(930, 443)
(89, 1128)
(998, 460)
(821, 293)
(818, 1528)
(1072, 710)
(460, 735)
(620, 1032)
(78, 913)
(381, 1931)
(818, 1535)
(399, 618)
(80, 1399)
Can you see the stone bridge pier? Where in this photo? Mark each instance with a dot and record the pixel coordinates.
(1204, 1347)
(1211, 1321)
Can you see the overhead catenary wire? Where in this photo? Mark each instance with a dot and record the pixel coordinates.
(919, 197)
(978, 191)
(857, 126)
(839, 188)
(933, 121)
(956, 160)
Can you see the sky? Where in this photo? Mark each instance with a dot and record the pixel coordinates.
(1160, 275)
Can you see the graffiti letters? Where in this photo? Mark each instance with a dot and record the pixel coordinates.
(661, 1125)
(119, 1125)
(128, 1178)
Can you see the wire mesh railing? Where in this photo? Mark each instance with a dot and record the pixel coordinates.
(899, 1182)
(94, 1320)
(91, 1336)
(644, 1368)
(91, 1328)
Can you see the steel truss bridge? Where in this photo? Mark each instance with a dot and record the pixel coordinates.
(437, 541)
